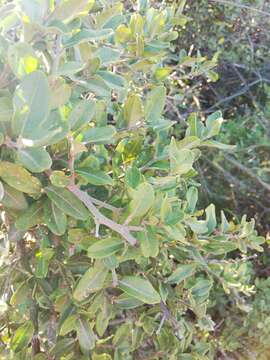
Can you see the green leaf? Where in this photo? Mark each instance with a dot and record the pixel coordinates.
(142, 200)
(198, 226)
(70, 68)
(22, 336)
(211, 217)
(101, 357)
(48, 133)
(100, 135)
(69, 9)
(132, 177)
(149, 243)
(43, 258)
(59, 179)
(86, 35)
(181, 273)
(181, 161)
(140, 289)
(60, 93)
(98, 86)
(192, 198)
(108, 55)
(68, 325)
(19, 178)
(62, 347)
(95, 177)
(126, 302)
(133, 110)
(34, 159)
(55, 218)
(6, 109)
(81, 114)
(31, 217)
(40, 356)
(114, 81)
(31, 103)
(155, 102)
(22, 59)
(13, 199)
(213, 124)
(104, 248)
(67, 202)
(195, 126)
(85, 335)
(90, 282)
(200, 291)
(36, 10)
(218, 145)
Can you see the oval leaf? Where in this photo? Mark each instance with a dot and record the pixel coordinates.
(95, 177)
(31, 217)
(90, 282)
(140, 289)
(19, 178)
(100, 135)
(67, 202)
(54, 218)
(104, 248)
(34, 159)
(13, 199)
(181, 273)
(143, 199)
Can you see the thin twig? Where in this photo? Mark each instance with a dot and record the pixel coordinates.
(241, 6)
(124, 231)
(248, 172)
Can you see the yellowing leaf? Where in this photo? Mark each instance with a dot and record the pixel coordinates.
(19, 178)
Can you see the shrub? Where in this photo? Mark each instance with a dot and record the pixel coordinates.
(105, 254)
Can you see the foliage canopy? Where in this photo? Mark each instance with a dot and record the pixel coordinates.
(105, 254)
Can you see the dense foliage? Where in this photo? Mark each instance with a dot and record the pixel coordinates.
(105, 251)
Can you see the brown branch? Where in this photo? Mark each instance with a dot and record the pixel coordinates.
(124, 231)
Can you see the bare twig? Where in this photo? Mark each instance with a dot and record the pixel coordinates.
(238, 93)
(241, 6)
(248, 172)
(124, 231)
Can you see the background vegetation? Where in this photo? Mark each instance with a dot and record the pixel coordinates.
(134, 139)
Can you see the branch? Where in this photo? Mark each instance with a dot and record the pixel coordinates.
(124, 231)
(248, 172)
(104, 205)
(241, 6)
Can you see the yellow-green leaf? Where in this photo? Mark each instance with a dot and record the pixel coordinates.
(19, 178)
